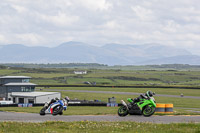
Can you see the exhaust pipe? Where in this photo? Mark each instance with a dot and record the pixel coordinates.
(124, 103)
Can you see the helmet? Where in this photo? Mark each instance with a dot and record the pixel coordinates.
(67, 98)
(56, 98)
(149, 93)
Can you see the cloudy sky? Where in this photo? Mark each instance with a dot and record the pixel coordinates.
(97, 22)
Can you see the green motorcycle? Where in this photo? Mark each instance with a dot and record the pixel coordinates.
(144, 104)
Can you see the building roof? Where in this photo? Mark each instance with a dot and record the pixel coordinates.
(20, 84)
(15, 77)
(32, 94)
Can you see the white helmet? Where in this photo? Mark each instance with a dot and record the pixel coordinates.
(67, 98)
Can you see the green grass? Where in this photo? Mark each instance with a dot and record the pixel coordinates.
(181, 111)
(45, 81)
(5, 72)
(46, 75)
(166, 91)
(110, 77)
(98, 127)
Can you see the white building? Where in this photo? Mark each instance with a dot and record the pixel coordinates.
(80, 72)
(19, 90)
(33, 97)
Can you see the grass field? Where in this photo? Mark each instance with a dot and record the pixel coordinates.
(46, 76)
(97, 127)
(167, 91)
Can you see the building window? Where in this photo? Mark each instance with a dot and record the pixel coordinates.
(32, 88)
(27, 89)
(30, 100)
(23, 89)
(25, 80)
(21, 100)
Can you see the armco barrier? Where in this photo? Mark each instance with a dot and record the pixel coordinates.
(112, 104)
(42, 104)
(169, 108)
(8, 105)
(164, 108)
(160, 108)
(87, 104)
(25, 105)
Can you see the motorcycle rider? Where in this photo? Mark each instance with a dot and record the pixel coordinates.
(56, 99)
(67, 99)
(146, 95)
(52, 101)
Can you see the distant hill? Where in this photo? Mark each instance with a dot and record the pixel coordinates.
(181, 59)
(111, 54)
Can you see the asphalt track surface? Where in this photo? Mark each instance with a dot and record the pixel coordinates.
(123, 93)
(33, 117)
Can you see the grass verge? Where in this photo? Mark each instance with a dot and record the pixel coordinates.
(165, 91)
(98, 127)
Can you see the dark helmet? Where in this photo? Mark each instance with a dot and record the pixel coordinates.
(150, 93)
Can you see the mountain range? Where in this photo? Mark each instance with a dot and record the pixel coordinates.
(111, 54)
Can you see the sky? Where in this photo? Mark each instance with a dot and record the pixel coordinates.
(98, 22)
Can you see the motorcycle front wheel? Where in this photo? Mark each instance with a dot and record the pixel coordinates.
(57, 110)
(123, 111)
(148, 110)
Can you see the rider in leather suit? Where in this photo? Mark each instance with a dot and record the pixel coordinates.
(146, 95)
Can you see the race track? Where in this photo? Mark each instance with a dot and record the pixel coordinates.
(32, 117)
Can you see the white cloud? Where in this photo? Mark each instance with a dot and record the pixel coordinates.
(143, 13)
(112, 25)
(96, 4)
(19, 9)
(30, 38)
(171, 26)
(2, 38)
(51, 22)
(60, 19)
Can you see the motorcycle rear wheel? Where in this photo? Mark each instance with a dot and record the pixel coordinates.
(61, 113)
(42, 111)
(123, 111)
